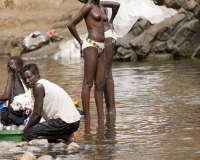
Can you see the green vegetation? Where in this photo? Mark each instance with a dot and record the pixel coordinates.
(155, 1)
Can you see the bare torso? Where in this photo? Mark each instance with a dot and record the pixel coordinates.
(95, 23)
(106, 23)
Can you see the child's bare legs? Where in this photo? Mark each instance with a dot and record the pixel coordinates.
(90, 67)
(109, 83)
(99, 84)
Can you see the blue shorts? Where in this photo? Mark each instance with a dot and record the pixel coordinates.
(49, 128)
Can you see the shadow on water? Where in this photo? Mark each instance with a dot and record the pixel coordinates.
(157, 103)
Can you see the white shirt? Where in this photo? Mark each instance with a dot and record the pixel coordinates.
(58, 104)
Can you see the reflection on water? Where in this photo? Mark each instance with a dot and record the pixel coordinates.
(158, 109)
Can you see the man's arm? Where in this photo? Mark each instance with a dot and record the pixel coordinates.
(39, 93)
(6, 95)
(75, 20)
(113, 5)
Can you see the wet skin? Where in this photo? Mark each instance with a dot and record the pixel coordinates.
(29, 78)
(93, 63)
(109, 52)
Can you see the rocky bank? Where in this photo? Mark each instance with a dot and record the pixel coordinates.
(178, 36)
(39, 149)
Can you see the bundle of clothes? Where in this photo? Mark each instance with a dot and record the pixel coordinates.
(20, 105)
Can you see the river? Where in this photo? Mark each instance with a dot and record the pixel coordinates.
(157, 103)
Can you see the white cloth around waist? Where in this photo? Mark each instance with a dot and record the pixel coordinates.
(110, 33)
(100, 45)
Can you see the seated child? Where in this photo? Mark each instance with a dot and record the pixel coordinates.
(53, 104)
(14, 87)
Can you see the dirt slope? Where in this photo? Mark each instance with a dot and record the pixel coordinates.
(19, 18)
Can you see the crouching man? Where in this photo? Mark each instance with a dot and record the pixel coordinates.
(53, 104)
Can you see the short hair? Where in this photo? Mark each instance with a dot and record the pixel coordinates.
(19, 60)
(32, 67)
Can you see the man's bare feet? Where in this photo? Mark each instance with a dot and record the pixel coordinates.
(69, 138)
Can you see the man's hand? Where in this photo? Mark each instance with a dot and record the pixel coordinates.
(12, 68)
(81, 51)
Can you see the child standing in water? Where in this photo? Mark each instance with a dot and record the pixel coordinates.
(92, 49)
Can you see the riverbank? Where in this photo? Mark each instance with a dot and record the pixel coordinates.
(19, 18)
(176, 36)
(37, 149)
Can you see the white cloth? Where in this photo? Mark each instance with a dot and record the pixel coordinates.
(110, 33)
(131, 10)
(37, 33)
(58, 104)
(22, 102)
(27, 91)
(100, 45)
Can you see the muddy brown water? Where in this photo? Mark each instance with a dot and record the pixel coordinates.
(157, 103)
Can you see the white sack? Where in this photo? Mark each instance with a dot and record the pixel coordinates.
(131, 10)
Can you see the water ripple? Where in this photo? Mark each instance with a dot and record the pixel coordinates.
(157, 105)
